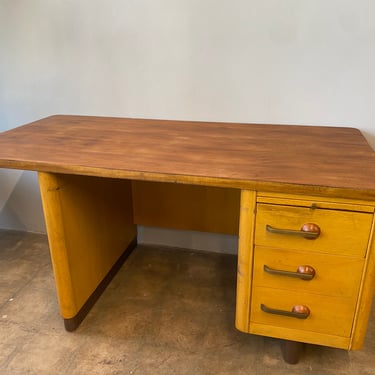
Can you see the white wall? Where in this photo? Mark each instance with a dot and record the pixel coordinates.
(269, 61)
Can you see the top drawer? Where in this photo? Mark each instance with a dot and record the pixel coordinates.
(341, 232)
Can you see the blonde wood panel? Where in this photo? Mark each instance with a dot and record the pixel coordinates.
(177, 206)
(329, 315)
(245, 259)
(334, 275)
(317, 202)
(308, 337)
(89, 224)
(366, 296)
(342, 232)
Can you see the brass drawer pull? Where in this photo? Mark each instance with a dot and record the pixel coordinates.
(303, 272)
(310, 231)
(298, 311)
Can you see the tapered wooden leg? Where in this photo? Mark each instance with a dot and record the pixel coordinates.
(291, 351)
(89, 225)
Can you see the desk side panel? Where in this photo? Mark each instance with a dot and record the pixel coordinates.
(245, 259)
(366, 295)
(90, 225)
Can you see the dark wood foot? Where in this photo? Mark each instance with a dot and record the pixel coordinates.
(291, 351)
(73, 323)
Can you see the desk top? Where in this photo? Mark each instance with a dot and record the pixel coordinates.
(313, 160)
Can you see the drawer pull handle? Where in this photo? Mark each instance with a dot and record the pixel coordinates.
(310, 231)
(298, 311)
(303, 272)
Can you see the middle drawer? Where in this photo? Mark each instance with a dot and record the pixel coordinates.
(334, 275)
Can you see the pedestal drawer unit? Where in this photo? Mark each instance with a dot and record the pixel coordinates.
(309, 265)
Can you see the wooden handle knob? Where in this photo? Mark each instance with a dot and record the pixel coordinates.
(306, 270)
(301, 309)
(311, 228)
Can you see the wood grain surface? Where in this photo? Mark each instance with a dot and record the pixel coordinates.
(314, 159)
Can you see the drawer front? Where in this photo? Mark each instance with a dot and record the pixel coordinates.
(331, 275)
(328, 315)
(341, 232)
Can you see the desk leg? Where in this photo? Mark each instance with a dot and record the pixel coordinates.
(291, 351)
(90, 232)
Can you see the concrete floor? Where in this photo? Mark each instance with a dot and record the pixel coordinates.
(167, 311)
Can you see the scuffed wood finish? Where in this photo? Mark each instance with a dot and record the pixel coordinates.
(310, 160)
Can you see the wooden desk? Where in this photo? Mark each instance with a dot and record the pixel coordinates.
(100, 177)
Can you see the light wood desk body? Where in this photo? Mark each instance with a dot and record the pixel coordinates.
(100, 177)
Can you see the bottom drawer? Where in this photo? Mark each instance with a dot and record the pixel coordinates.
(328, 315)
